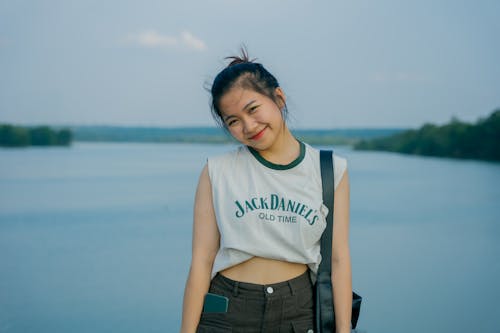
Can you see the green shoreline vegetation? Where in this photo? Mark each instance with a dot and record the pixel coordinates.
(456, 139)
(214, 135)
(20, 136)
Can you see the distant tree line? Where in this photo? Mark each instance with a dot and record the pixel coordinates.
(18, 136)
(215, 135)
(456, 139)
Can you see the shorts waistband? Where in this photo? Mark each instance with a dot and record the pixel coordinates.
(288, 287)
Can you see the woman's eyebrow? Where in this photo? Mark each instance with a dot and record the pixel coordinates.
(249, 103)
(227, 117)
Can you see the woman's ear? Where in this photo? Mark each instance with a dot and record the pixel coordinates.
(280, 97)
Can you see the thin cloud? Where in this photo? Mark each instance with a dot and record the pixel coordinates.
(154, 39)
(191, 41)
(151, 38)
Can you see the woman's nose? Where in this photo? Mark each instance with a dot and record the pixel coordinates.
(249, 125)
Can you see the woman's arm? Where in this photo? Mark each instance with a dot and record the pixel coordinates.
(205, 244)
(341, 260)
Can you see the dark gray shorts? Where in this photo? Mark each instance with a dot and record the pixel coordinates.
(281, 307)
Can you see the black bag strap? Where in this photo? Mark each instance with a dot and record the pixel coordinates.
(328, 183)
(325, 322)
(325, 314)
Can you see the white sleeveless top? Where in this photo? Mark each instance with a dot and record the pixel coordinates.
(269, 210)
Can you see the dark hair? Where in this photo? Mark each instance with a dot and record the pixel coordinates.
(244, 73)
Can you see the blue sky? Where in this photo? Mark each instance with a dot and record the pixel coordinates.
(341, 63)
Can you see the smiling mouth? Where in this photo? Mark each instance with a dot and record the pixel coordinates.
(258, 135)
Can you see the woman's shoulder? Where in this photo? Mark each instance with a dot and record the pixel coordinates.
(337, 158)
(339, 161)
(340, 166)
(231, 153)
(224, 161)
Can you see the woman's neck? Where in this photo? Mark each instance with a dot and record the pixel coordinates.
(285, 149)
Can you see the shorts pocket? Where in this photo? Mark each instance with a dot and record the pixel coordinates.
(202, 328)
(303, 326)
(305, 301)
(213, 322)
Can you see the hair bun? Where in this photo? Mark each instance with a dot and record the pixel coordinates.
(243, 59)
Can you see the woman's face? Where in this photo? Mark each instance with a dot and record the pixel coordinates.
(252, 118)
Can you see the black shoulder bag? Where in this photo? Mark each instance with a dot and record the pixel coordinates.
(324, 311)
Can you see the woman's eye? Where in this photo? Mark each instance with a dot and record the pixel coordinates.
(232, 122)
(253, 108)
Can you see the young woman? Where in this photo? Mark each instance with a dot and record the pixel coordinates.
(259, 216)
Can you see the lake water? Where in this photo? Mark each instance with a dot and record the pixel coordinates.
(97, 238)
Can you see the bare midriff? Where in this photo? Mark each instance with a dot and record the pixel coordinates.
(261, 270)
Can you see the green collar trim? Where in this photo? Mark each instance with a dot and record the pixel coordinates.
(275, 166)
